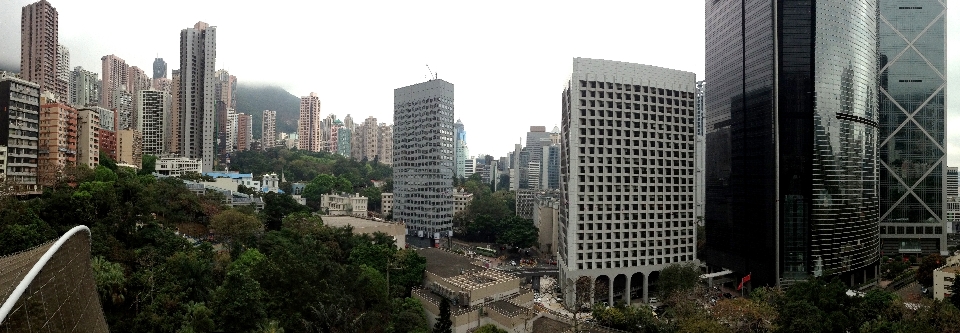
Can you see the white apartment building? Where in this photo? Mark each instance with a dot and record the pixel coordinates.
(309, 125)
(386, 204)
(461, 199)
(197, 100)
(88, 140)
(628, 174)
(469, 167)
(153, 110)
(944, 276)
(344, 204)
(268, 133)
(84, 87)
(385, 145)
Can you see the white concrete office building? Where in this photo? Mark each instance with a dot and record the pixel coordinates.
(423, 157)
(627, 174)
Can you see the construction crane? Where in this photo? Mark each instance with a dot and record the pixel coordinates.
(432, 75)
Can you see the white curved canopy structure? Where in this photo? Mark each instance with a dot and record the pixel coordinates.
(51, 288)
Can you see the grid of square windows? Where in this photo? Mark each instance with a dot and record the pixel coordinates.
(628, 174)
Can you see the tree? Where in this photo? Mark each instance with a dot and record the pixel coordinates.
(239, 302)
(196, 177)
(149, 164)
(891, 268)
(816, 306)
(408, 316)
(623, 317)
(21, 229)
(303, 222)
(678, 278)
(246, 190)
(198, 319)
(109, 278)
(270, 326)
(104, 174)
(518, 232)
(373, 198)
(444, 324)
(372, 255)
(235, 226)
(324, 184)
(927, 265)
(489, 328)
(106, 161)
(278, 206)
(745, 315)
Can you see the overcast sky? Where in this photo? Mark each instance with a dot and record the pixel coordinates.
(508, 60)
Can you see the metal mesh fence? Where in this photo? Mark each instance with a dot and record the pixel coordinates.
(61, 298)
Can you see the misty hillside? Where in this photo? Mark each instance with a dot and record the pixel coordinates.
(253, 99)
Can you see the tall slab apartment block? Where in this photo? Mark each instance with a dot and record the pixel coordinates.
(19, 131)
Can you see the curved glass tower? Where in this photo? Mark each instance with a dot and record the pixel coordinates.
(791, 139)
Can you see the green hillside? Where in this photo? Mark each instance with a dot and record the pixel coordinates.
(253, 99)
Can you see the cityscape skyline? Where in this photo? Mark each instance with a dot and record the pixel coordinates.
(469, 58)
(541, 60)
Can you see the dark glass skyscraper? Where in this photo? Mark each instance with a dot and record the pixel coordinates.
(913, 90)
(159, 68)
(791, 138)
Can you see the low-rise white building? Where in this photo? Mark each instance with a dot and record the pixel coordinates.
(344, 204)
(270, 183)
(178, 166)
(386, 204)
(461, 198)
(231, 197)
(943, 278)
(370, 226)
(300, 199)
(245, 179)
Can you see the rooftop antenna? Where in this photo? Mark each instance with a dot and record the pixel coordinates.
(432, 76)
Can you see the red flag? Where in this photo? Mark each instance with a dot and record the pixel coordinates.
(744, 280)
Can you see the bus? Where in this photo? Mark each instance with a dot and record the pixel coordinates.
(486, 251)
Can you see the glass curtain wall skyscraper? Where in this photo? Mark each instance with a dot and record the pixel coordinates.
(791, 137)
(462, 152)
(913, 90)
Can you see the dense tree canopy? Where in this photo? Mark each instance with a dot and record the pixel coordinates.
(491, 217)
(678, 278)
(809, 306)
(297, 275)
(927, 265)
(299, 165)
